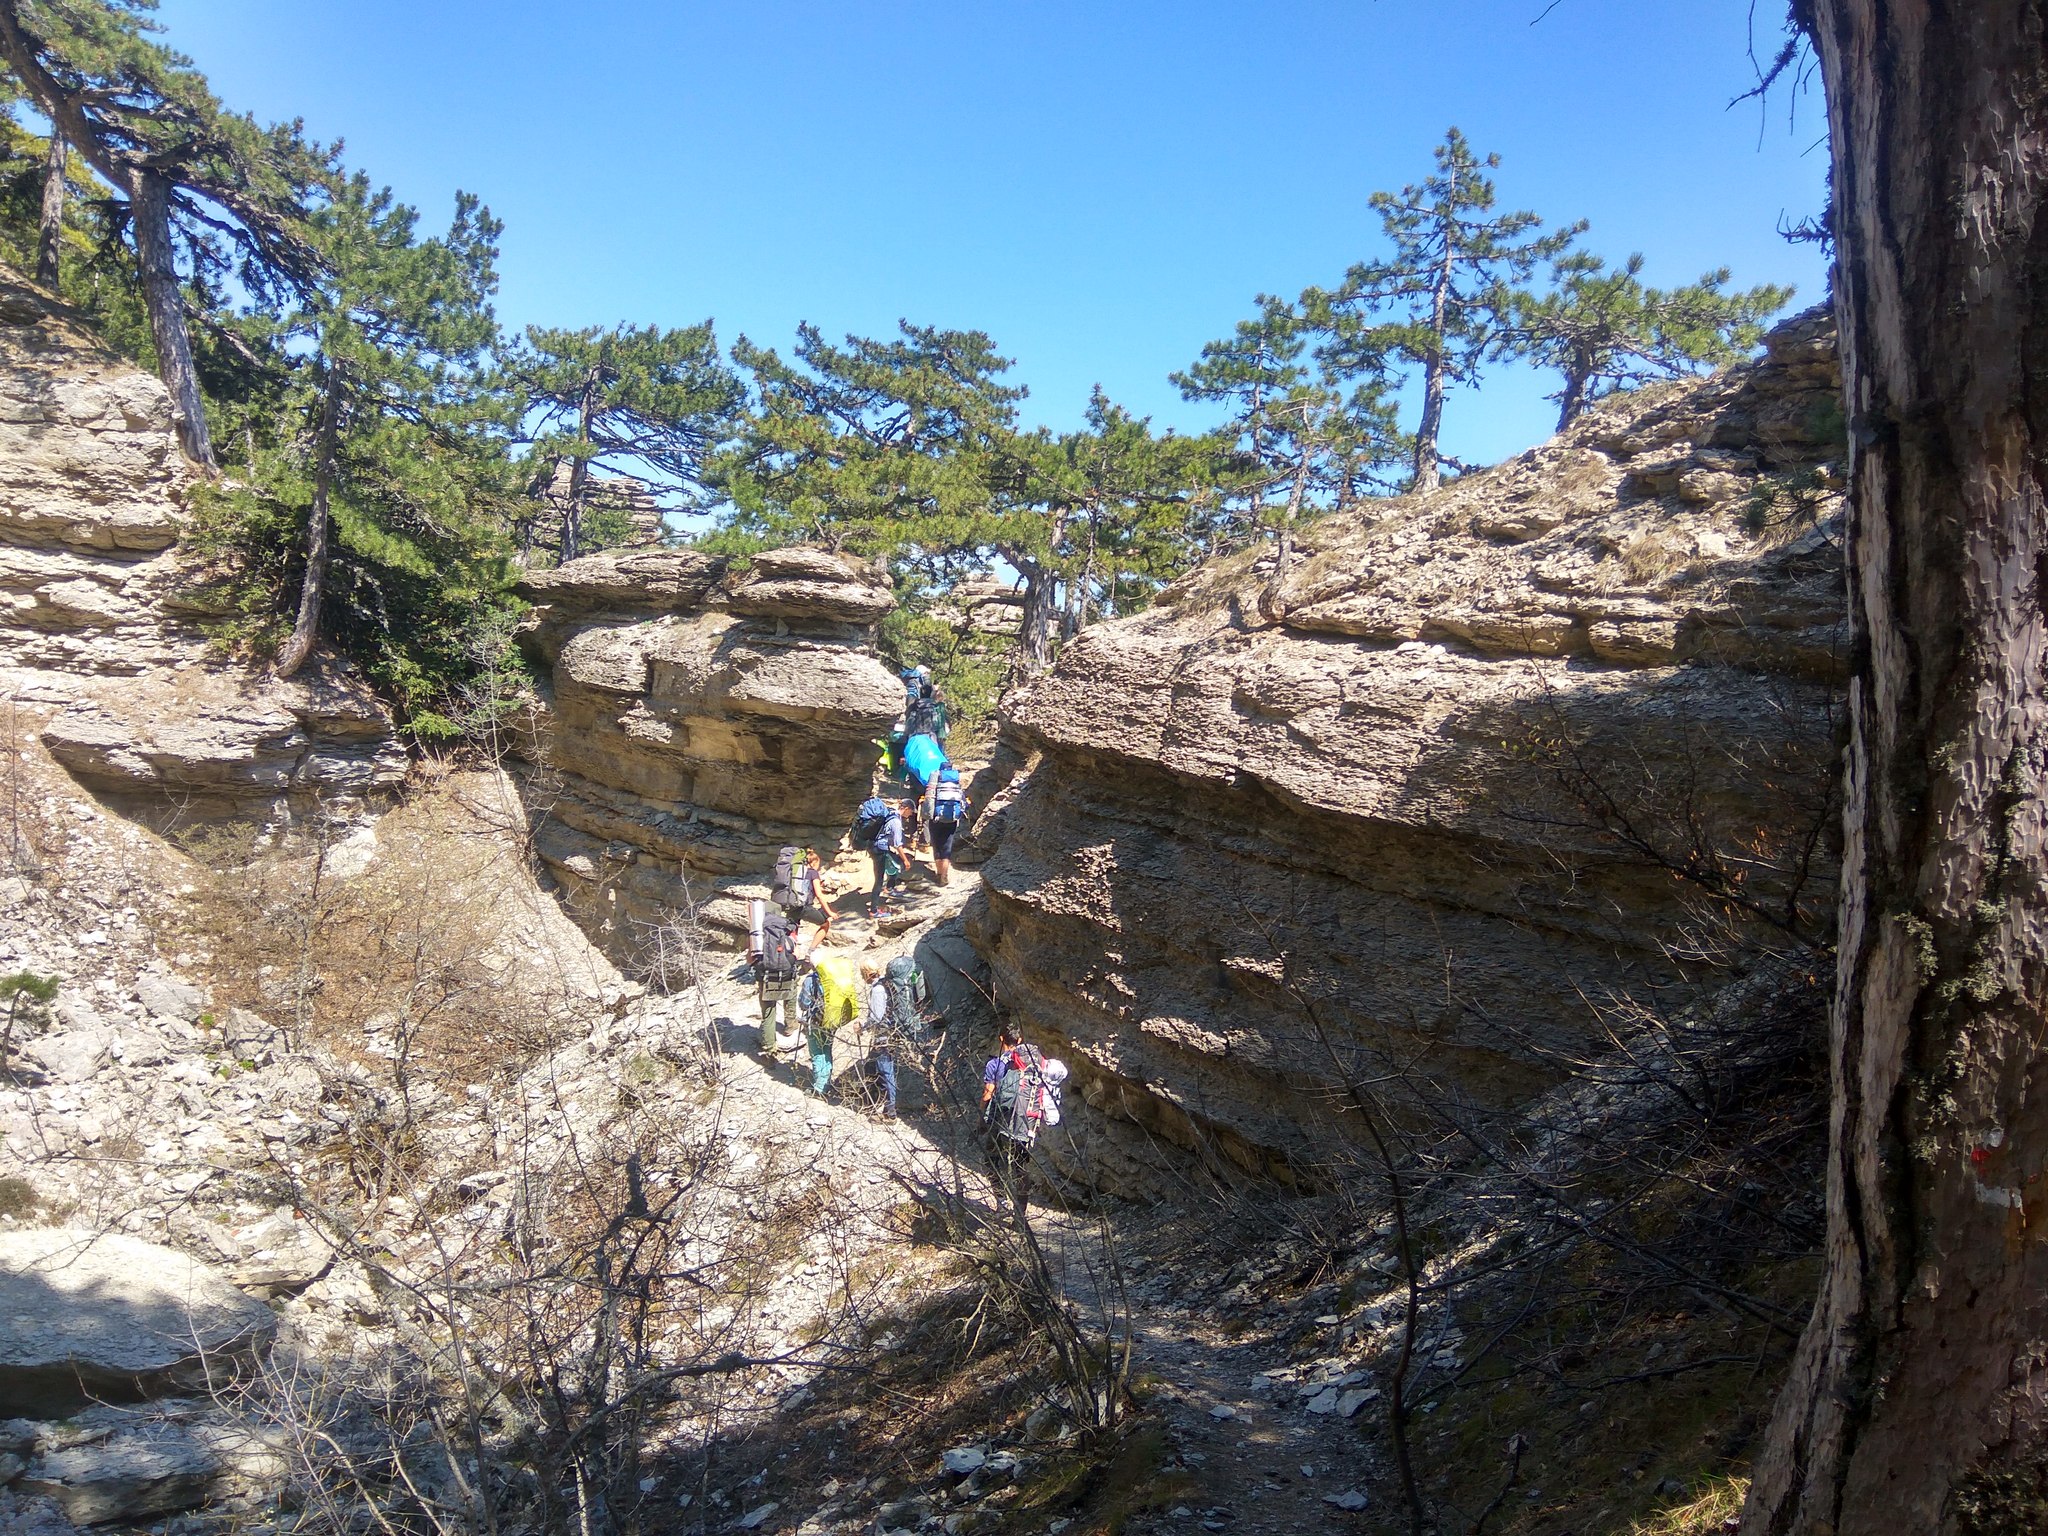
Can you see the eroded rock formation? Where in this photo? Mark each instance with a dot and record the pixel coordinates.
(1485, 768)
(98, 641)
(702, 713)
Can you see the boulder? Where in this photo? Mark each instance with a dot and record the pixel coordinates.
(92, 490)
(217, 744)
(702, 712)
(118, 1466)
(88, 1316)
(71, 1055)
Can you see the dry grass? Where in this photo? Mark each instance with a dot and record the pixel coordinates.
(420, 959)
(1707, 1512)
(1657, 557)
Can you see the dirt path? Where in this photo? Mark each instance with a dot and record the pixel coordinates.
(1251, 1463)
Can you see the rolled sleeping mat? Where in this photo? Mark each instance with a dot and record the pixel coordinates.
(921, 759)
(757, 917)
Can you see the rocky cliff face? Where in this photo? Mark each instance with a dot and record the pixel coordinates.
(1484, 769)
(702, 713)
(97, 649)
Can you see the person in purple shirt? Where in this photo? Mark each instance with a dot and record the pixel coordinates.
(887, 852)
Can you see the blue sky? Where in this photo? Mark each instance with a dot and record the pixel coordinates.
(1101, 187)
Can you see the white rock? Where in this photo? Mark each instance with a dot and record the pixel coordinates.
(1350, 1498)
(1324, 1401)
(964, 1459)
(101, 1314)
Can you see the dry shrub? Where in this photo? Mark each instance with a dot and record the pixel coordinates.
(418, 958)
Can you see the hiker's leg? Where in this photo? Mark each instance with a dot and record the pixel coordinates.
(885, 1068)
(821, 1063)
(770, 1011)
(880, 856)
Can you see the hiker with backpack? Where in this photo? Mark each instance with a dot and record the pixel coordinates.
(1013, 1105)
(799, 887)
(921, 714)
(897, 998)
(778, 972)
(833, 1003)
(945, 810)
(878, 828)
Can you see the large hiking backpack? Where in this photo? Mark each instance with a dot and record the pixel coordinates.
(778, 949)
(792, 891)
(949, 800)
(1020, 1095)
(921, 717)
(868, 821)
(907, 992)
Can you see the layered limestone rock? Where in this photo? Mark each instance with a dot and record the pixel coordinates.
(92, 489)
(98, 644)
(1485, 769)
(702, 712)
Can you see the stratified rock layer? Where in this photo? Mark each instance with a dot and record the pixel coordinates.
(91, 496)
(96, 626)
(703, 712)
(1429, 831)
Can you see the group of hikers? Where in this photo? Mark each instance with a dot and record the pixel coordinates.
(932, 816)
(808, 997)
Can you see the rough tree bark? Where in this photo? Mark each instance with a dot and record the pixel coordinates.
(1035, 628)
(149, 205)
(313, 588)
(579, 474)
(50, 227)
(1915, 1403)
(1428, 475)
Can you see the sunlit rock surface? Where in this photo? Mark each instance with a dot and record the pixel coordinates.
(1419, 836)
(702, 712)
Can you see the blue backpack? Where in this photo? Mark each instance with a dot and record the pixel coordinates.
(868, 821)
(949, 800)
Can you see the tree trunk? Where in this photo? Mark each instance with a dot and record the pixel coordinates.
(1427, 476)
(1916, 1401)
(1273, 596)
(1571, 400)
(306, 631)
(579, 475)
(1034, 634)
(149, 204)
(50, 230)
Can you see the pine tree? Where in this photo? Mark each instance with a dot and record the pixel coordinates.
(1094, 521)
(882, 447)
(192, 173)
(1443, 300)
(401, 440)
(1603, 330)
(1303, 439)
(650, 402)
